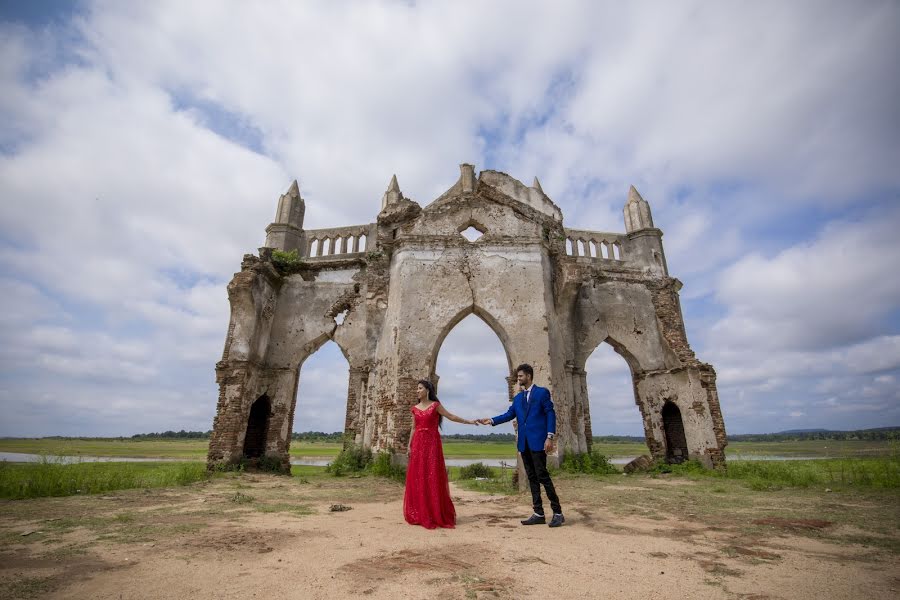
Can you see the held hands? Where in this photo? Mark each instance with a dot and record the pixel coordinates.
(482, 421)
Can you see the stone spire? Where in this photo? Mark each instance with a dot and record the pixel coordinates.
(537, 185)
(285, 232)
(291, 207)
(637, 212)
(393, 193)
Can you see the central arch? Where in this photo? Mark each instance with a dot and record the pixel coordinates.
(491, 322)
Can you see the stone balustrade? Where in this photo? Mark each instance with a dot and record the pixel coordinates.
(338, 241)
(598, 245)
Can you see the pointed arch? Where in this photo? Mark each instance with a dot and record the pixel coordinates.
(488, 319)
(338, 397)
(312, 346)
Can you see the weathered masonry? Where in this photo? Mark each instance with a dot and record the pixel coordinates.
(389, 292)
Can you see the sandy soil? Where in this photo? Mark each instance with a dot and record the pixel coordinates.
(260, 536)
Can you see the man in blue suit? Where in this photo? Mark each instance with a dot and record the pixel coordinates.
(533, 410)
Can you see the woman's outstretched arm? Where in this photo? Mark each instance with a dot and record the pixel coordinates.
(446, 413)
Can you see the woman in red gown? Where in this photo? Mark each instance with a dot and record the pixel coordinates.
(427, 498)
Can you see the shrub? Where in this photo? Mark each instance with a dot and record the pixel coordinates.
(382, 467)
(286, 262)
(352, 459)
(476, 470)
(268, 463)
(589, 462)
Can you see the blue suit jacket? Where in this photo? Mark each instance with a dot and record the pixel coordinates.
(535, 419)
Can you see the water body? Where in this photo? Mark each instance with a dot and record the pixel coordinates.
(321, 462)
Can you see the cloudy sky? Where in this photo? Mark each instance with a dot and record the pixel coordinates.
(143, 147)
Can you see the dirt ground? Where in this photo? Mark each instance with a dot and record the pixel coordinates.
(259, 536)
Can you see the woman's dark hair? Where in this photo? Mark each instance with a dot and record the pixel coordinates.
(526, 368)
(432, 395)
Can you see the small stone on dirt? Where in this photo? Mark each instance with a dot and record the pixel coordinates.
(339, 507)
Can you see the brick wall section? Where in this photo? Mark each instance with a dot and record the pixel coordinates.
(230, 419)
(668, 310)
(708, 381)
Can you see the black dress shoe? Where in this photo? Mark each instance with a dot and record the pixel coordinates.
(535, 520)
(557, 521)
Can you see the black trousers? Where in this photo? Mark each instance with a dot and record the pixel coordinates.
(535, 462)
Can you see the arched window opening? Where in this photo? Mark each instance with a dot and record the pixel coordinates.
(362, 242)
(617, 251)
(569, 247)
(314, 248)
(326, 247)
(472, 368)
(257, 427)
(604, 250)
(593, 248)
(321, 403)
(581, 248)
(613, 419)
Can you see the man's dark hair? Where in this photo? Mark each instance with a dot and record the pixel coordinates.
(526, 368)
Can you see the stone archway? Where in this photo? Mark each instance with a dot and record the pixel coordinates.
(580, 374)
(673, 427)
(550, 292)
(257, 428)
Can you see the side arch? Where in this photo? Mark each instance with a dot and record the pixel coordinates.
(577, 372)
(621, 349)
(301, 354)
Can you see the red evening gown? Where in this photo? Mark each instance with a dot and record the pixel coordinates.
(427, 498)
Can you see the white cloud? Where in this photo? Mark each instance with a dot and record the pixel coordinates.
(835, 290)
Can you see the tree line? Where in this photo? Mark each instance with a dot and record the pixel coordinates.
(878, 434)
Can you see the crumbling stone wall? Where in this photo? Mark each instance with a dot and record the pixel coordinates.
(551, 294)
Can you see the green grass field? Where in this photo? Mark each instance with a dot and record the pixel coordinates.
(52, 478)
(196, 449)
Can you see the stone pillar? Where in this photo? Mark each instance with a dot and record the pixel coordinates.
(354, 421)
(577, 411)
(586, 408)
(281, 387)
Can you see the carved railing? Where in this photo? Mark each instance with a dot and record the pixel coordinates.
(598, 245)
(337, 241)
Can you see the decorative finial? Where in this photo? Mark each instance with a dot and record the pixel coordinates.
(294, 190)
(537, 185)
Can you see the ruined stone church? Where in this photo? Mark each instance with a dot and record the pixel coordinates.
(388, 293)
